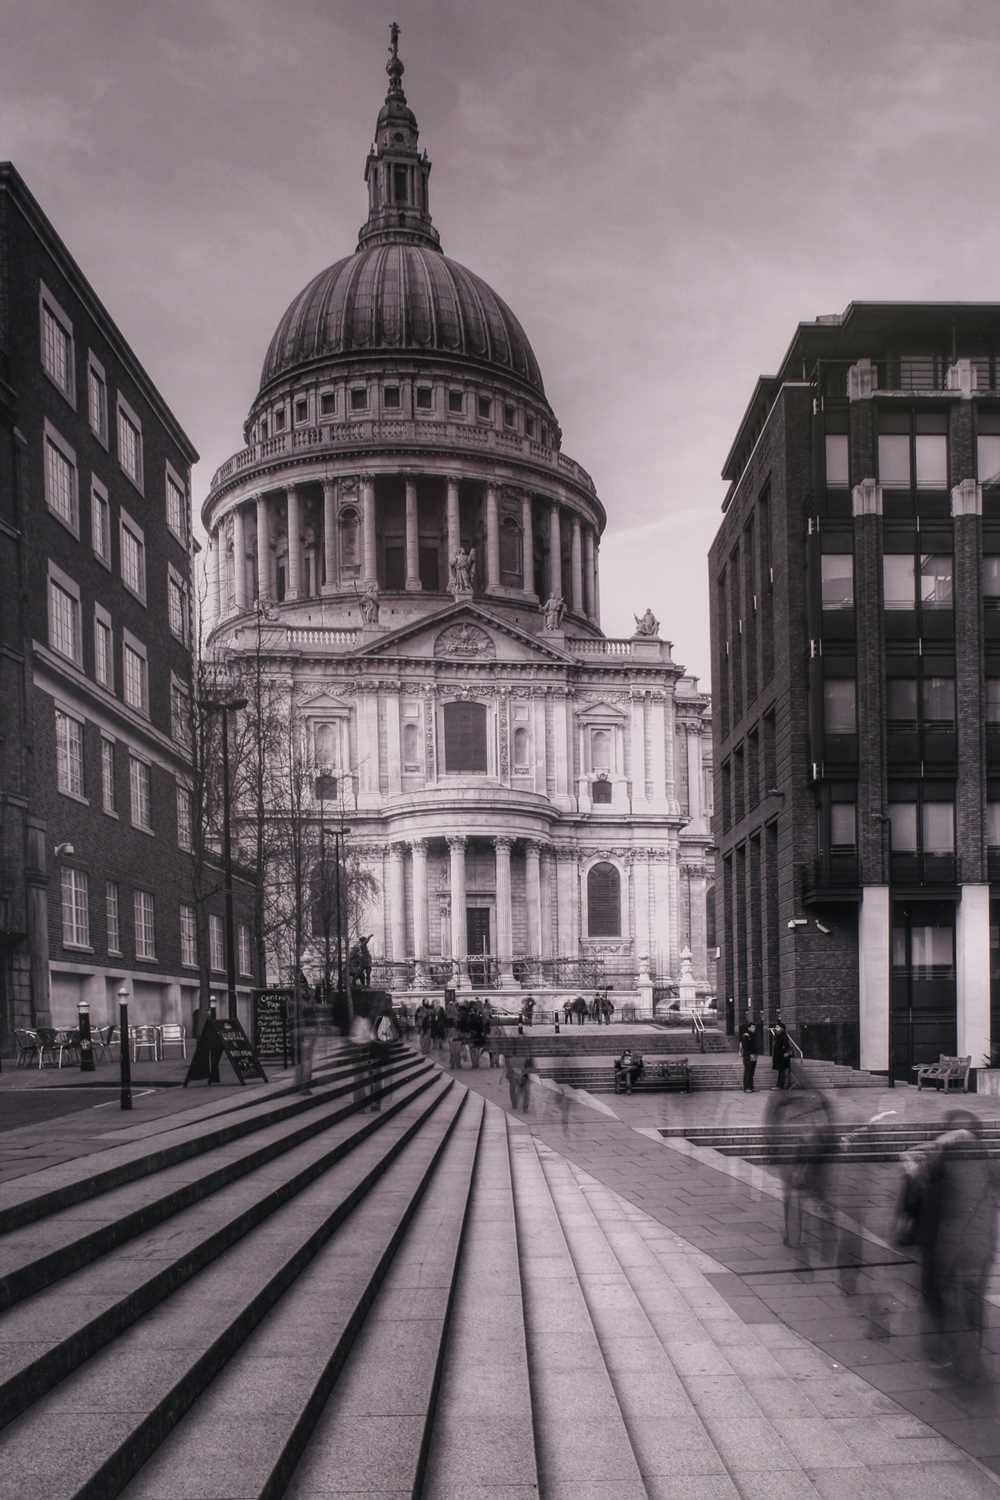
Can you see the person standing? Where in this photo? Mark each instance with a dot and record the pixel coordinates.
(748, 1052)
(781, 1056)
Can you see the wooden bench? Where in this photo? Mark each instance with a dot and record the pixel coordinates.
(946, 1071)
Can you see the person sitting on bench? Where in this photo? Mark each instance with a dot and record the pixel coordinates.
(628, 1068)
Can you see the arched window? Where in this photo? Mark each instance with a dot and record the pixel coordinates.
(465, 736)
(520, 749)
(604, 901)
(600, 750)
(411, 747)
(510, 551)
(348, 538)
(327, 743)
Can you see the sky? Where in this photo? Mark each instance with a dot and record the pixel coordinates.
(660, 189)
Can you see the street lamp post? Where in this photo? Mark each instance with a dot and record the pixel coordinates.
(335, 835)
(886, 822)
(225, 706)
(124, 1053)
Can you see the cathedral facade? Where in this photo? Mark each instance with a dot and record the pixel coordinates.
(531, 797)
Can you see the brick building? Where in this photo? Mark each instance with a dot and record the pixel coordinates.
(95, 655)
(855, 584)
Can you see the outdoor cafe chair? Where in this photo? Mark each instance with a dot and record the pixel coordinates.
(145, 1038)
(29, 1046)
(173, 1035)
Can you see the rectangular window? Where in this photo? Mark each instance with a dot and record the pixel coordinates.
(279, 419)
(139, 794)
(215, 942)
(130, 442)
(843, 825)
(930, 450)
(64, 622)
(176, 606)
(185, 825)
(936, 572)
(938, 827)
(837, 465)
(456, 403)
(135, 675)
(529, 426)
(359, 398)
(993, 700)
(69, 754)
(903, 827)
(109, 798)
(993, 825)
(509, 416)
(988, 448)
(100, 521)
(328, 403)
(301, 411)
(133, 548)
(991, 576)
(938, 695)
(189, 938)
(837, 570)
(839, 705)
(246, 957)
(75, 909)
(61, 494)
(176, 508)
(104, 654)
(901, 701)
(145, 925)
(113, 915)
(425, 398)
(484, 406)
(390, 397)
(57, 345)
(97, 399)
(894, 460)
(897, 580)
(180, 717)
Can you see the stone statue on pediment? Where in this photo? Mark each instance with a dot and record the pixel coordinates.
(552, 612)
(370, 604)
(463, 570)
(647, 625)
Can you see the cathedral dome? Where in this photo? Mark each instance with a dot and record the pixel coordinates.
(397, 297)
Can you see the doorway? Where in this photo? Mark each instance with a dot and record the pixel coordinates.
(478, 947)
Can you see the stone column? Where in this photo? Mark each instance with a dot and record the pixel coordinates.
(555, 550)
(547, 948)
(533, 897)
(294, 580)
(240, 559)
(694, 769)
(456, 850)
(589, 607)
(215, 577)
(418, 848)
(397, 904)
(567, 894)
(527, 546)
(263, 549)
(492, 537)
(640, 905)
(454, 518)
(505, 918)
(576, 542)
(330, 568)
(369, 551)
(597, 585)
(412, 537)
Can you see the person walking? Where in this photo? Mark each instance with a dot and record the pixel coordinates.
(781, 1056)
(580, 1009)
(748, 1053)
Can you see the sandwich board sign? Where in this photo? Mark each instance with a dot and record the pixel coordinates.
(220, 1037)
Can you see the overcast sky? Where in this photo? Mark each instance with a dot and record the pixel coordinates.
(660, 190)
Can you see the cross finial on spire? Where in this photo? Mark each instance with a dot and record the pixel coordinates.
(394, 67)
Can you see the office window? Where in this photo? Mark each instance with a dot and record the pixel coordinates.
(898, 580)
(130, 442)
(936, 571)
(246, 956)
(133, 547)
(894, 460)
(938, 694)
(328, 403)
(993, 825)
(145, 924)
(991, 576)
(109, 798)
(391, 397)
(425, 398)
(100, 521)
(901, 700)
(988, 447)
(64, 621)
(993, 700)
(216, 945)
(938, 827)
(139, 793)
(903, 827)
(176, 508)
(930, 450)
(57, 345)
(189, 937)
(75, 909)
(135, 674)
(97, 399)
(837, 571)
(603, 900)
(180, 712)
(359, 398)
(843, 825)
(456, 402)
(185, 823)
(837, 465)
(61, 493)
(104, 655)
(176, 605)
(839, 705)
(113, 917)
(484, 407)
(69, 754)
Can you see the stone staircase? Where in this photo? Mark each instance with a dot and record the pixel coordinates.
(779, 1145)
(720, 1073)
(608, 1041)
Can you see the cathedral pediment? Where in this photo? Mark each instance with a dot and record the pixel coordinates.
(464, 632)
(321, 700)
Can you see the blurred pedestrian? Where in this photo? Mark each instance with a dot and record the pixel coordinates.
(781, 1056)
(580, 1009)
(748, 1053)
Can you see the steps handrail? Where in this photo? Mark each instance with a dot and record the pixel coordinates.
(698, 1030)
(772, 1029)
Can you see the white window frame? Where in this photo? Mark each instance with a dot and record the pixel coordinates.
(136, 765)
(96, 372)
(75, 933)
(180, 711)
(189, 936)
(47, 303)
(245, 964)
(70, 764)
(173, 480)
(131, 417)
(216, 943)
(102, 621)
(100, 521)
(129, 527)
(185, 821)
(109, 758)
(144, 924)
(133, 644)
(52, 437)
(112, 902)
(175, 582)
(66, 585)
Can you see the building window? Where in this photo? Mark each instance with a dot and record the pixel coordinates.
(349, 528)
(61, 493)
(843, 825)
(215, 942)
(839, 705)
(135, 674)
(456, 403)
(359, 398)
(113, 917)
(57, 345)
(993, 825)
(484, 407)
(936, 574)
(176, 605)
(938, 697)
(130, 442)
(938, 827)
(930, 451)
(75, 909)
(898, 580)
(600, 750)
(894, 451)
(991, 577)
(301, 411)
(521, 751)
(411, 747)
(465, 746)
(993, 700)
(509, 415)
(145, 924)
(176, 508)
(133, 548)
(104, 654)
(901, 702)
(837, 572)
(903, 827)
(510, 549)
(185, 823)
(189, 938)
(64, 621)
(603, 901)
(139, 793)
(913, 446)
(601, 791)
(246, 957)
(180, 712)
(328, 403)
(988, 447)
(425, 398)
(97, 399)
(69, 754)
(837, 461)
(529, 426)
(109, 799)
(279, 419)
(390, 397)
(100, 521)
(325, 788)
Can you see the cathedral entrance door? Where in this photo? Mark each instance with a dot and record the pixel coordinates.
(477, 940)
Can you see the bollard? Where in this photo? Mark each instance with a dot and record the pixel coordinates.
(124, 1056)
(86, 1042)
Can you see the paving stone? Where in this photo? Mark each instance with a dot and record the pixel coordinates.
(747, 1444)
(780, 1484)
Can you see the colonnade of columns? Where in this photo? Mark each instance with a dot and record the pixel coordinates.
(232, 583)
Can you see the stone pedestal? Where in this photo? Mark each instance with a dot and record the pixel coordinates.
(645, 985)
(687, 989)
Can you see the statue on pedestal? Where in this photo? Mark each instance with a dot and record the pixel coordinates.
(552, 612)
(647, 625)
(463, 570)
(370, 604)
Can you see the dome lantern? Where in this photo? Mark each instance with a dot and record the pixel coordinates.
(396, 171)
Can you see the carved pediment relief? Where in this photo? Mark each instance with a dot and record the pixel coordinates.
(465, 641)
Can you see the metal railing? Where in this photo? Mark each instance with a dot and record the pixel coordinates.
(772, 1032)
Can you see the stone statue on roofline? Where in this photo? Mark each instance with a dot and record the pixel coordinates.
(647, 625)
(552, 612)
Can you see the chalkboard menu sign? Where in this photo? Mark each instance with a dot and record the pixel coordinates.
(270, 1023)
(219, 1037)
